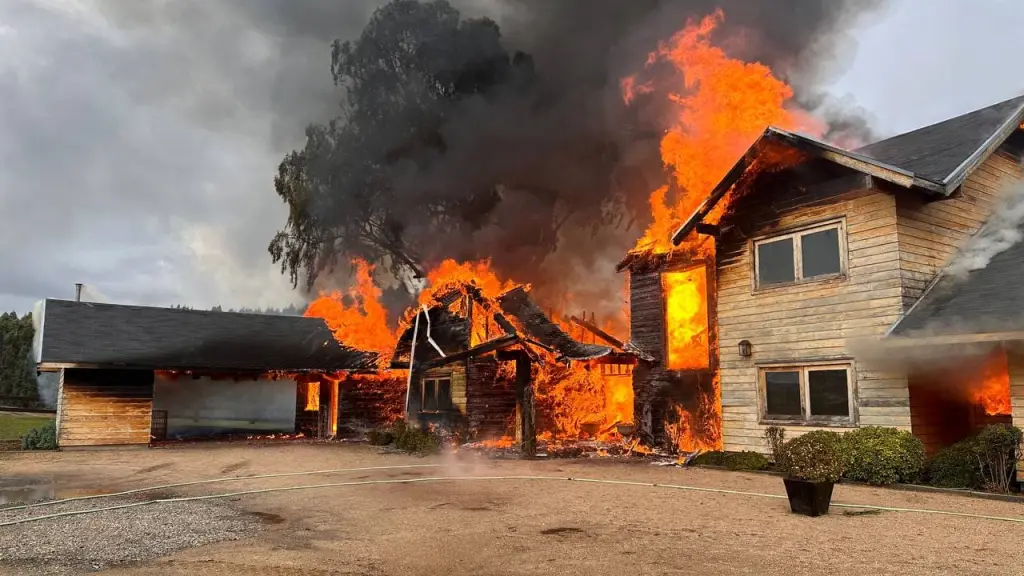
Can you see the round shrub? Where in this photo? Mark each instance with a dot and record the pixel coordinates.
(956, 466)
(746, 461)
(814, 457)
(881, 456)
(41, 438)
(712, 458)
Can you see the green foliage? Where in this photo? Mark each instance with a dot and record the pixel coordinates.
(881, 456)
(776, 437)
(712, 458)
(998, 448)
(41, 438)
(405, 437)
(746, 461)
(14, 426)
(814, 457)
(956, 466)
(380, 437)
(17, 368)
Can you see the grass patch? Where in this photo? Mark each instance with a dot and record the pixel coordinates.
(14, 426)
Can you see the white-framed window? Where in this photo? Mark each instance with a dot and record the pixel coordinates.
(436, 394)
(810, 254)
(816, 394)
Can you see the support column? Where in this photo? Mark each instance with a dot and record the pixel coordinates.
(1015, 366)
(526, 432)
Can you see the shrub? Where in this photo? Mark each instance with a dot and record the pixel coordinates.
(413, 439)
(814, 457)
(956, 466)
(998, 448)
(776, 436)
(41, 438)
(881, 456)
(713, 458)
(380, 437)
(746, 461)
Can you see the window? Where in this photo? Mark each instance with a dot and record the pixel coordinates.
(818, 394)
(812, 254)
(437, 394)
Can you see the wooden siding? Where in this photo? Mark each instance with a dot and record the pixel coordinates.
(490, 399)
(104, 407)
(930, 232)
(1015, 365)
(813, 321)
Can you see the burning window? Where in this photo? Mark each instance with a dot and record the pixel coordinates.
(807, 393)
(437, 394)
(812, 254)
(686, 319)
(312, 396)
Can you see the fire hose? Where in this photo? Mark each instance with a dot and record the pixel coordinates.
(455, 479)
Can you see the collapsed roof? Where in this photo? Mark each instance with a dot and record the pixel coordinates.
(143, 337)
(450, 332)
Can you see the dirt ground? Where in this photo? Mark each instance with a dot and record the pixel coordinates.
(483, 526)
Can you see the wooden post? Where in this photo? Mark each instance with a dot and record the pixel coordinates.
(526, 432)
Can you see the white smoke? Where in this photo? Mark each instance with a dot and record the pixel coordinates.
(1000, 233)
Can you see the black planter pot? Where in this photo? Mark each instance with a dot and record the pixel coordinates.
(809, 498)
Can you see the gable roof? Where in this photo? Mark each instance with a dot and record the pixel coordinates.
(985, 301)
(145, 337)
(518, 304)
(935, 159)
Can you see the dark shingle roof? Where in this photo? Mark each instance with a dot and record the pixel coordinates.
(935, 152)
(989, 300)
(166, 338)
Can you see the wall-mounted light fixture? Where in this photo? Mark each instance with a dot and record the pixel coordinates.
(746, 348)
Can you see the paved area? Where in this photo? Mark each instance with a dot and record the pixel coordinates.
(472, 527)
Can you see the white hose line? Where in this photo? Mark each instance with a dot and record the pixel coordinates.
(212, 481)
(458, 478)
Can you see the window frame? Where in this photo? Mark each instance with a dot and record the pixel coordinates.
(423, 394)
(806, 418)
(797, 235)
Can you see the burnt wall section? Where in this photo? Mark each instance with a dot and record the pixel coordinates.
(368, 402)
(490, 399)
(104, 407)
(660, 395)
(423, 413)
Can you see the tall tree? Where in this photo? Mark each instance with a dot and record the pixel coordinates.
(353, 191)
(17, 371)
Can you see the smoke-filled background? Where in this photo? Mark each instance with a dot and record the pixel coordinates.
(139, 140)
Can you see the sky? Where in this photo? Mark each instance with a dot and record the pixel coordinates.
(137, 155)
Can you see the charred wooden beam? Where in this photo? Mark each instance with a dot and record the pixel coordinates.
(526, 432)
(598, 332)
(709, 230)
(485, 348)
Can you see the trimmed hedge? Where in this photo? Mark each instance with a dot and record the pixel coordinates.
(881, 456)
(816, 456)
(745, 461)
(713, 458)
(956, 466)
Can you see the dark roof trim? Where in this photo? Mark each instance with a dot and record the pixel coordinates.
(815, 148)
(957, 177)
(945, 340)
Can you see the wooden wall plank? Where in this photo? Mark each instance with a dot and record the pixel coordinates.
(104, 407)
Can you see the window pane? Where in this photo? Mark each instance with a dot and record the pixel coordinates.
(820, 253)
(782, 393)
(828, 393)
(775, 262)
(444, 394)
(429, 395)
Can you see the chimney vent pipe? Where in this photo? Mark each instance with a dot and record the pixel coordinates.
(78, 292)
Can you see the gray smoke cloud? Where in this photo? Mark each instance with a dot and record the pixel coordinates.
(227, 88)
(1000, 233)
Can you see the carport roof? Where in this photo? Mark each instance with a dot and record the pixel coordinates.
(144, 337)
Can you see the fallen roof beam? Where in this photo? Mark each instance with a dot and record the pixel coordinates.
(479, 350)
(598, 332)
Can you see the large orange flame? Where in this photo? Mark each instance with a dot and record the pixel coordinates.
(686, 319)
(991, 389)
(722, 107)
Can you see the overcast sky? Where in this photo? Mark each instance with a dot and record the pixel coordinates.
(142, 164)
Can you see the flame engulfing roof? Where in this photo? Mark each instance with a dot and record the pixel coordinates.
(520, 320)
(518, 304)
(144, 337)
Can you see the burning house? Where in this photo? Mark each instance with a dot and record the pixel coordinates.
(130, 374)
(498, 367)
(804, 255)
